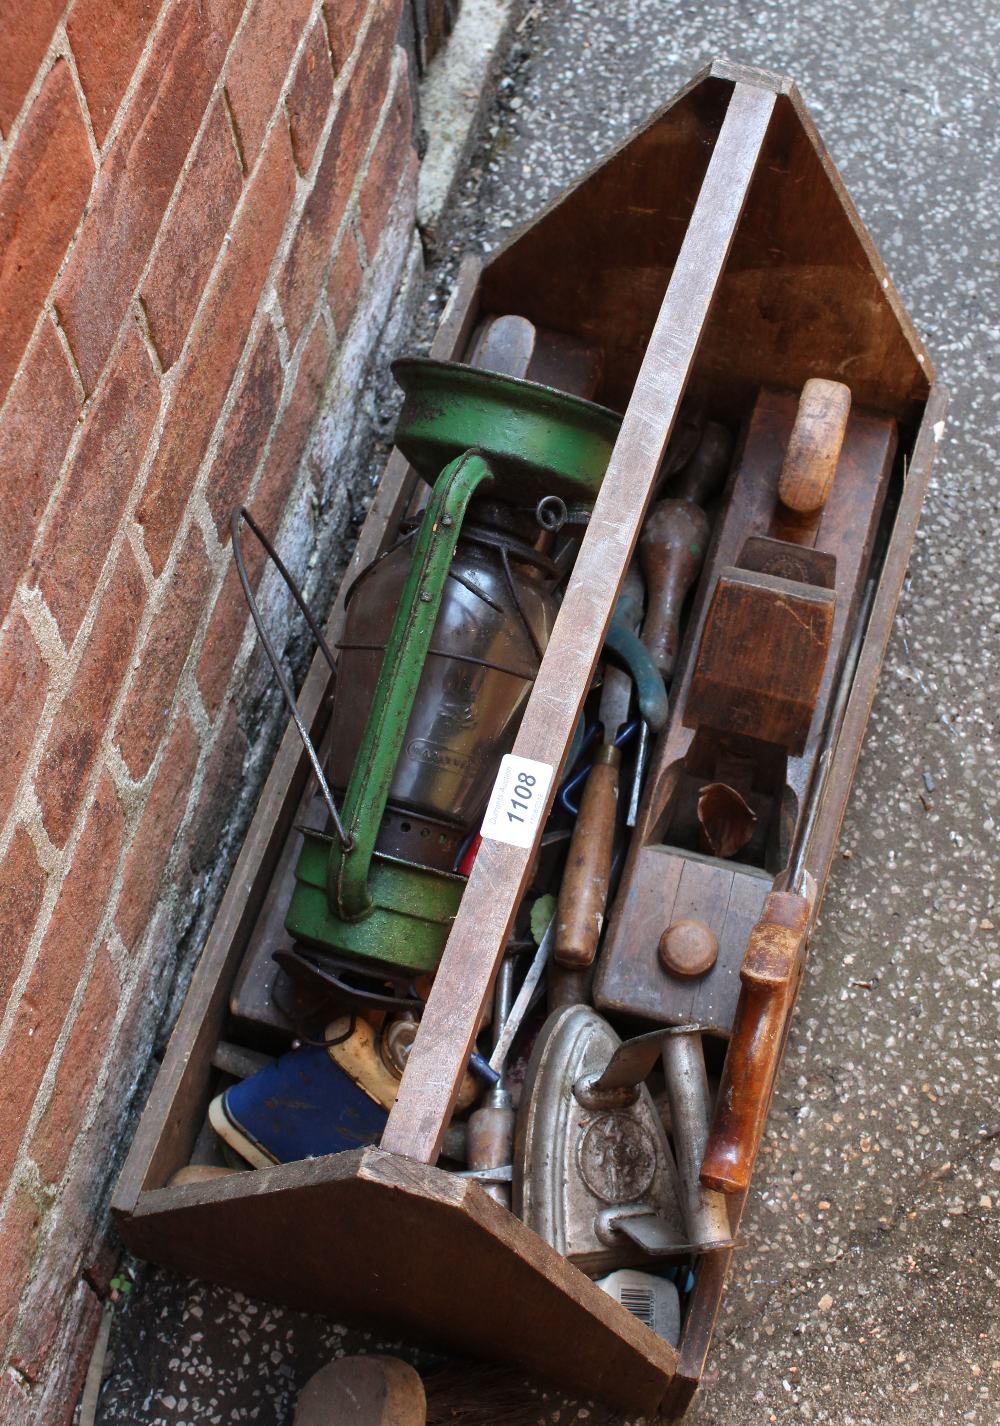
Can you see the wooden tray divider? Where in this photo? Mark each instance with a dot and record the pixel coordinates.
(501, 872)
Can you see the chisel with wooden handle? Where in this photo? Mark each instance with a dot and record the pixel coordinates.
(672, 549)
(584, 891)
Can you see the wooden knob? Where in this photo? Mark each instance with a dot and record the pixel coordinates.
(814, 446)
(671, 550)
(688, 948)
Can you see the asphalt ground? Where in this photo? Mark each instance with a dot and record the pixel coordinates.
(867, 1288)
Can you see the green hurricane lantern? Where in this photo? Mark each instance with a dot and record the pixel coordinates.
(442, 640)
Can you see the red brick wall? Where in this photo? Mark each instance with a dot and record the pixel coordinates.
(206, 208)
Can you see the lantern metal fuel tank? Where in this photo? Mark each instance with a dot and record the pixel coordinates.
(443, 637)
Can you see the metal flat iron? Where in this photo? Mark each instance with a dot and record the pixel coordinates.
(594, 1174)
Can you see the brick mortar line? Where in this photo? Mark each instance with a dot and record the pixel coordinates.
(26, 1170)
(234, 133)
(216, 551)
(206, 744)
(313, 444)
(350, 220)
(59, 47)
(359, 242)
(138, 74)
(218, 559)
(341, 81)
(152, 351)
(75, 649)
(44, 1090)
(281, 333)
(292, 509)
(216, 556)
(187, 684)
(43, 625)
(54, 863)
(63, 677)
(54, 50)
(81, 98)
(74, 370)
(168, 212)
(156, 593)
(167, 387)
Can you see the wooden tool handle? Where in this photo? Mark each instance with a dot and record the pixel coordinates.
(769, 974)
(671, 550)
(814, 447)
(705, 473)
(505, 345)
(584, 890)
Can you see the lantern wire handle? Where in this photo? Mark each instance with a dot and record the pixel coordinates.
(240, 513)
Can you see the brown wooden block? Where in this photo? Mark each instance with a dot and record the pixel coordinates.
(761, 659)
(408, 1244)
(670, 886)
(788, 561)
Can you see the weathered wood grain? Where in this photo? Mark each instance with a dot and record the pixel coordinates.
(440, 1051)
(372, 1239)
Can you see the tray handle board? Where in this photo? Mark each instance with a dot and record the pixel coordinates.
(430, 1083)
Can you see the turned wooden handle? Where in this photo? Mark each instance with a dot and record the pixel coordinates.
(671, 550)
(584, 890)
(505, 345)
(814, 447)
(769, 974)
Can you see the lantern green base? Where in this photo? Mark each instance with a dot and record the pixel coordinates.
(412, 910)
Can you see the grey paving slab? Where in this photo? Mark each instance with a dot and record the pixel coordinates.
(866, 1291)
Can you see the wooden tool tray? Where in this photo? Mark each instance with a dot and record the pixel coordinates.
(716, 252)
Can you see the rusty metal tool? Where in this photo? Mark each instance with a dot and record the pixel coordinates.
(490, 1142)
(491, 1127)
(706, 1216)
(706, 1213)
(594, 1175)
(523, 1001)
(705, 473)
(671, 550)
